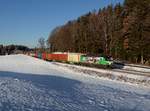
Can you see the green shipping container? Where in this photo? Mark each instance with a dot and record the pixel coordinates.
(39, 55)
(83, 58)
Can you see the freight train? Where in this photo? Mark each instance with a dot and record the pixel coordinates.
(75, 58)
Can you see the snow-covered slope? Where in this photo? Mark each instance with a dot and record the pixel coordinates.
(30, 84)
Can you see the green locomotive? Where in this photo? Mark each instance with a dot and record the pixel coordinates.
(95, 60)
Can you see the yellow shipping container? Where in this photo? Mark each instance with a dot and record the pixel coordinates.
(74, 57)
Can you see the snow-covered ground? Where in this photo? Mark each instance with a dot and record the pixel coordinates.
(30, 84)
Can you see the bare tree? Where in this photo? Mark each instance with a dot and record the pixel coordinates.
(41, 44)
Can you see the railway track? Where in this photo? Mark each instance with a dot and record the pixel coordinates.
(133, 72)
(132, 67)
(139, 66)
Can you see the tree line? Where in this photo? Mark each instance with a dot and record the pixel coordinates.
(121, 31)
(13, 49)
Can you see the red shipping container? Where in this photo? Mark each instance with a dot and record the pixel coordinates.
(48, 56)
(59, 57)
(36, 55)
(44, 56)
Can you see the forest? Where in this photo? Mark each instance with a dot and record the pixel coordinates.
(121, 31)
(13, 49)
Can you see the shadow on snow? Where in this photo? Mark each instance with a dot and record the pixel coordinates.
(29, 92)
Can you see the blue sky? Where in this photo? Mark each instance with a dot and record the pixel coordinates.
(24, 21)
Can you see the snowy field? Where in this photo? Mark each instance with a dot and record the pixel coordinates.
(30, 84)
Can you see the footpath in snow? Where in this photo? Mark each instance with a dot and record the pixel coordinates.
(30, 84)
